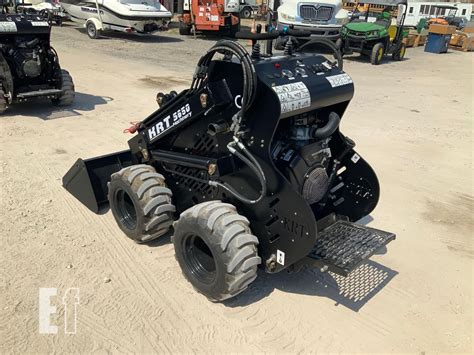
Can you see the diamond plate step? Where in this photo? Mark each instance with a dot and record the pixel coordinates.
(345, 245)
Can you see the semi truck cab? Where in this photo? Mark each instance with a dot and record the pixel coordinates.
(323, 19)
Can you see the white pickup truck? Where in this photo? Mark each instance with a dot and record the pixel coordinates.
(323, 19)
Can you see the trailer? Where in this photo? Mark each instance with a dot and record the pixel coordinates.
(424, 9)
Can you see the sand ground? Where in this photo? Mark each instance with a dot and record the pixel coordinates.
(412, 121)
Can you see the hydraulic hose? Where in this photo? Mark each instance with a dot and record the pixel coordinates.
(248, 69)
(329, 128)
(248, 96)
(253, 164)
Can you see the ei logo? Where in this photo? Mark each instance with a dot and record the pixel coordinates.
(47, 308)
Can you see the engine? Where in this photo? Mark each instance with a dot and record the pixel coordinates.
(28, 57)
(303, 155)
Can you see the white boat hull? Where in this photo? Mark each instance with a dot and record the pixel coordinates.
(119, 19)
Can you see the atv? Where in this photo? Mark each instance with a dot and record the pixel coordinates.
(375, 38)
(29, 66)
(246, 169)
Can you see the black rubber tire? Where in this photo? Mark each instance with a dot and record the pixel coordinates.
(67, 85)
(184, 29)
(141, 202)
(400, 53)
(377, 53)
(3, 101)
(246, 13)
(92, 30)
(230, 249)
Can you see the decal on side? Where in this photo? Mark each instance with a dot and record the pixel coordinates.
(8, 26)
(339, 80)
(169, 121)
(294, 96)
(39, 24)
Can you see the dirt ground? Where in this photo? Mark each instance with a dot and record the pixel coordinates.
(412, 121)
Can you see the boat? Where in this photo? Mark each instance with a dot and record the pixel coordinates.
(139, 16)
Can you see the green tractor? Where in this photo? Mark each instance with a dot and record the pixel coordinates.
(375, 34)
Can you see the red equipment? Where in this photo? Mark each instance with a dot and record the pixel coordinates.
(209, 15)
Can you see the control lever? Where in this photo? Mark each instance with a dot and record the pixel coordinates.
(256, 45)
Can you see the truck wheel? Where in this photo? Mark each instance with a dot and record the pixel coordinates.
(184, 29)
(92, 30)
(3, 101)
(246, 13)
(141, 202)
(377, 54)
(400, 53)
(67, 86)
(215, 249)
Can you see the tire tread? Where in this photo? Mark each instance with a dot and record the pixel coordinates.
(155, 199)
(230, 234)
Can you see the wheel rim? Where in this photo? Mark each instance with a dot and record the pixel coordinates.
(91, 30)
(126, 210)
(380, 54)
(402, 52)
(199, 259)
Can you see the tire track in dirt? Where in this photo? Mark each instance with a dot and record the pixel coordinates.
(91, 236)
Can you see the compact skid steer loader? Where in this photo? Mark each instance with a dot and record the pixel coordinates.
(246, 169)
(29, 65)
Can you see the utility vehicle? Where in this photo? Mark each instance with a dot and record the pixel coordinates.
(246, 169)
(29, 66)
(375, 34)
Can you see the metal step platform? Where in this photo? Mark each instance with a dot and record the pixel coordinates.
(344, 245)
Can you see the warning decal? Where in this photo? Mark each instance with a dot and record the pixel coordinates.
(339, 80)
(280, 257)
(7, 26)
(39, 23)
(294, 96)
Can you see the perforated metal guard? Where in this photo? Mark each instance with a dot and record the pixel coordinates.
(344, 245)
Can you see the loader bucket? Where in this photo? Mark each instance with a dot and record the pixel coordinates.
(87, 179)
